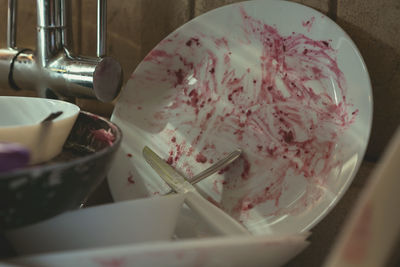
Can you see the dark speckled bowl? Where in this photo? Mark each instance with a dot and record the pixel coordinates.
(39, 192)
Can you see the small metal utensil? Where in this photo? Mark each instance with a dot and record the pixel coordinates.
(215, 217)
(219, 165)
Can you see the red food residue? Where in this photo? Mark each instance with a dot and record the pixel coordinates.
(308, 24)
(281, 111)
(130, 178)
(201, 158)
(103, 136)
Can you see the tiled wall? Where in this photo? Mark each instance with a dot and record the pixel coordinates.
(135, 26)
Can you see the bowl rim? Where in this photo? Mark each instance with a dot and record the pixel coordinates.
(73, 111)
(64, 165)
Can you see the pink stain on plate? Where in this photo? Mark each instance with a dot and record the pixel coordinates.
(281, 111)
(104, 136)
(308, 23)
(130, 178)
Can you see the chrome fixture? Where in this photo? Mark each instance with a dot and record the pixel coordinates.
(53, 70)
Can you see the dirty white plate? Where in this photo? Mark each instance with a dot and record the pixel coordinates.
(125, 222)
(235, 251)
(275, 78)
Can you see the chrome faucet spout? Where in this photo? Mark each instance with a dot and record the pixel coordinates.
(53, 67)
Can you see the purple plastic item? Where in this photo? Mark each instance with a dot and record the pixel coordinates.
(13, 156)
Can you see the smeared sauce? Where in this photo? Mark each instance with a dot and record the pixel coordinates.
(282, 99)
(104, 136)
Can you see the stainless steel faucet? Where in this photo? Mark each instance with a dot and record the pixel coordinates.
(53, 70)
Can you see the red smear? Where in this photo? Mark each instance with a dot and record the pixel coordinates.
(222, 43)
(288, 136)
(259, 118)
(235, 92)
(129, 155)
(173, 139)
(155, 55)
(201, 158)
(215, 187)
(104, 136)
(130, 179)
(247, 207)
(170, 160)
(223, 170)
(194, 98)
(179, 77)
(193, 40)
(246, 169)
(308, 24)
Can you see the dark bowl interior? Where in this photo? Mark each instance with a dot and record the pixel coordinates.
(39, 192)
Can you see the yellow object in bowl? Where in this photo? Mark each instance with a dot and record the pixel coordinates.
(21, 122)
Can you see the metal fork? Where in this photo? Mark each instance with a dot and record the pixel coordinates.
(219, 165)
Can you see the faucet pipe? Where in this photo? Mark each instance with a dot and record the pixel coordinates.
(52, 67)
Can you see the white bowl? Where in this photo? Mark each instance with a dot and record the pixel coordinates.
(275, 78)
(20, 122)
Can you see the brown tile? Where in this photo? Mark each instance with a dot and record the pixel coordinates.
(374, 26)
(74, 24)
(3, 23)
(87, 32)
(159, 18)
(320, 5)
(11, 92)
(125, 51)
(26, 25)
(95, 106)
(134, 28)
(202, 6)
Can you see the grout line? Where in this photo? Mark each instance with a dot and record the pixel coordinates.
(332, 9)
(191, 9)
(79, 30)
